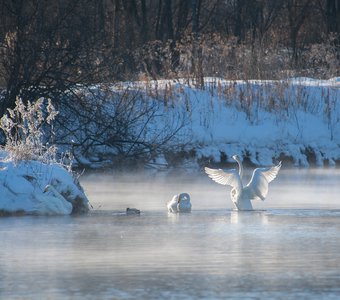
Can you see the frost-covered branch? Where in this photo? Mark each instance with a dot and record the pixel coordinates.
(23, 129)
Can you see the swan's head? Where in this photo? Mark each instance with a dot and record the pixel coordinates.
(236, 157)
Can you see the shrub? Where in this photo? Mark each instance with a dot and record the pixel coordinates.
(24, 126)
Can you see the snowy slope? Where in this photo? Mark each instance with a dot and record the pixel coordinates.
(265, 120)
(22, 189)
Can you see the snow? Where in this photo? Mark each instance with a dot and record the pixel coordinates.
(264, 121)
(293, 118)
(22, 186)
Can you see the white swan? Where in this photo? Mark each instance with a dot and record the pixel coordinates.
(179, 203)
(257, 188)
(51, 202)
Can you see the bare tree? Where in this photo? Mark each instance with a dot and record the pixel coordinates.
(298, 12)
(108, 127)
(47, 48)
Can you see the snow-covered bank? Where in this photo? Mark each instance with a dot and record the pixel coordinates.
(268, 120)
(22, 189)
(265, 121)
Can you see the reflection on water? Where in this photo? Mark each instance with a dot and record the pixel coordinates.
(287, 249)
(248, 217)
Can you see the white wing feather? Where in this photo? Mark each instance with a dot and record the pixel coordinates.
(228, 177)
(257, 188)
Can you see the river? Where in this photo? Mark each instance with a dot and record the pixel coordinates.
(288, 248)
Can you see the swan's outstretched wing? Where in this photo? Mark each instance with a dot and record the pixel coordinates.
(258, 185)
(228, 177)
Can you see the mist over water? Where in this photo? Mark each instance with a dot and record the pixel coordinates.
(293, 188)
(288, 248)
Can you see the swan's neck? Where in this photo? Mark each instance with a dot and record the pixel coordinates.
(240, 166)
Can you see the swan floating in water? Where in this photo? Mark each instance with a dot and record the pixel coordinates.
(179, 203)
(51, 202)
(257, 188)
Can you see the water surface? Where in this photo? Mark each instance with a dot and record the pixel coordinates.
(287, 249)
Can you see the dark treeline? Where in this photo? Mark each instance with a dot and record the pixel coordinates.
(46, 47)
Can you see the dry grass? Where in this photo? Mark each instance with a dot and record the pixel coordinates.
(23, 127)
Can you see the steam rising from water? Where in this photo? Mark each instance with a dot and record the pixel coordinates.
(294, 188)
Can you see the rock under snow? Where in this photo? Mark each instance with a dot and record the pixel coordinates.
(22, 189)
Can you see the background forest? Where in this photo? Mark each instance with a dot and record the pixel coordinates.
(50, 48)
(46, 46)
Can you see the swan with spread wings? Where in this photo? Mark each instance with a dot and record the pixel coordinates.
(257, 188)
